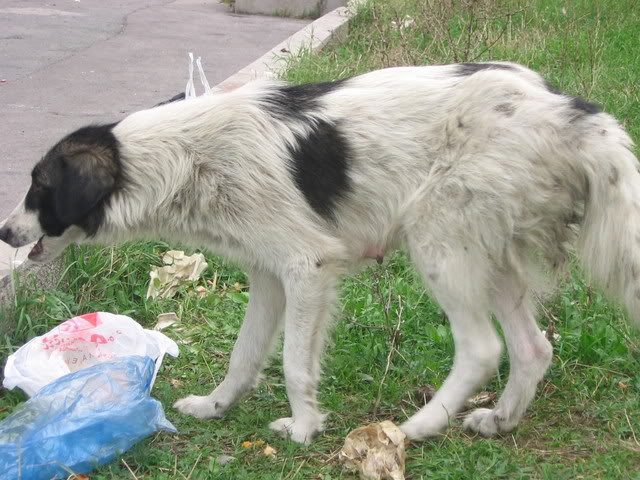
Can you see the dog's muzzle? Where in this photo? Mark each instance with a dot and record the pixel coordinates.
(6, 235)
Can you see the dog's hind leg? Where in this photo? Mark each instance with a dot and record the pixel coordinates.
(255, 341)
(310, 293)
(529, 354)
(458, 278)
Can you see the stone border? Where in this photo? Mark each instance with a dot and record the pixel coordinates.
(287, 8)
(327, 29)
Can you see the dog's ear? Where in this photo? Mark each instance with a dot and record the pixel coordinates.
(87, 176)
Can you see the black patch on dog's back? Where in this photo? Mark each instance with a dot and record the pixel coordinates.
(583, 106)
(319, 160)
(319, 166)
(295, 101)
(466, 69)
(579, 106)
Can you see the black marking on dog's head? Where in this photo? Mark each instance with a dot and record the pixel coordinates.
(295, 101)
(466, 69)
(175, 98)
(319, 166)
(73, 182)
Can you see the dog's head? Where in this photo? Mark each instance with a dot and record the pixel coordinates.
(70, 188)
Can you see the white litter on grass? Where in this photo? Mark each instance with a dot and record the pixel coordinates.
(376, 451)
(407, 22)
(178, 269)
(556, 336)
(165, 320)
(79, 343)
(224, 459)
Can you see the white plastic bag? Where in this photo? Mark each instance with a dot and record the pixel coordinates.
(79, 343)
(190, 90)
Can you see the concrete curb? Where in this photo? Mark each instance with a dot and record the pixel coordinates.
(288, 8)
(327, 29)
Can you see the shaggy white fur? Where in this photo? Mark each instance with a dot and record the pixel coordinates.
(481, 172)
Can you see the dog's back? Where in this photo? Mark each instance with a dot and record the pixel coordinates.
(365, 156)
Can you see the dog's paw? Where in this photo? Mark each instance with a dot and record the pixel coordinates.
(201, 407)
(419, 429)
(412, 430)
(298, 431)
(486, 422)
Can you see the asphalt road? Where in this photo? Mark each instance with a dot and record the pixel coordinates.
(67, 63)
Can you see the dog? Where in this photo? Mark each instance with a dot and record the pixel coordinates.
(482, 172)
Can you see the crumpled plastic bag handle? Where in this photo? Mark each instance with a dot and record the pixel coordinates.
(190, 90)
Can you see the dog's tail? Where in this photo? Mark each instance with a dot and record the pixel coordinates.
(609, 241)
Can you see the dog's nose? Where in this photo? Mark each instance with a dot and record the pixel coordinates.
(5, 233)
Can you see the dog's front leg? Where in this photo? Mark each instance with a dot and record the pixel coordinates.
(310, 298)
(255, 340)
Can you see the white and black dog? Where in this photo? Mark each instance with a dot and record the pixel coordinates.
(482, 172)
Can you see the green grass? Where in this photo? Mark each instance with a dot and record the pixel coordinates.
(584, 422)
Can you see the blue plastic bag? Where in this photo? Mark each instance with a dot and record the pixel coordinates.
(80, 421)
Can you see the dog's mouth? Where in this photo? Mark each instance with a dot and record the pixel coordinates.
(37, 249)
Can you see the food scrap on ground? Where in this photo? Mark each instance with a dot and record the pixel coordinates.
(376, 451)
(267, 451)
